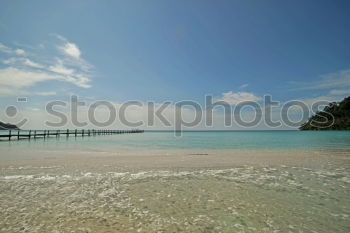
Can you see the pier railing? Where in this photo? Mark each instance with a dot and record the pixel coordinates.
(28, 134)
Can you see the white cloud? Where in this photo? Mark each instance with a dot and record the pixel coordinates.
(338, 79)
(10, 91)
(243, 86)
(5, 49)
(71, 49)
(31, 63)
(23, 61)
(15, 77)
(46, 93)
(311, 101)
(235, 98)
(333, 85)
(61, 69)
(79, 80)
(10, 61)
(72, 54)
(23, 72)
(19, 78)
(20, 52)
(340, 92)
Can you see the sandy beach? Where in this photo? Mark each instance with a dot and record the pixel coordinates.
(176, 190)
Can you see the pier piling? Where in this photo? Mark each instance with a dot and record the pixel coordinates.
(46, 133)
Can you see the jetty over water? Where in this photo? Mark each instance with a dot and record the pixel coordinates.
(9, 135)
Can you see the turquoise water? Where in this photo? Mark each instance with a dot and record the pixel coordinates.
(216, 140)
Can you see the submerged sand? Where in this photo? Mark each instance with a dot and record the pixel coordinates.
(176, 191)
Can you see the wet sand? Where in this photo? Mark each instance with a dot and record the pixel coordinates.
(173, 159)
(175, 191)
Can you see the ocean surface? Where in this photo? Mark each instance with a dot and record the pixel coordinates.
(190, 140)
(213, 181)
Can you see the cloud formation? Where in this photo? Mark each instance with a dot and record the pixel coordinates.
(332, 86)
(22, 61)
(339, 79)
(340, 92)
(243, 86)
(22, 70)
(14, 77)
(235, 98)
(71, 49)
(5, 49)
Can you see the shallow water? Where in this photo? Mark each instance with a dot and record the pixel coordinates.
(321, 140)
(82, 185)
(246, 199)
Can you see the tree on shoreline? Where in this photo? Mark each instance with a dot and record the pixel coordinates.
(4, 126)
(335, 116)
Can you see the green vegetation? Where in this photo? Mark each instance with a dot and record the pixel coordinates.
(335, 116)
(4, 126)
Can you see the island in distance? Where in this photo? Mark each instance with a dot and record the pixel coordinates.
(8, 126)
(335, 116)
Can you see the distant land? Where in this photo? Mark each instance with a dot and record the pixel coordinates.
(321, 121)
(7, 126)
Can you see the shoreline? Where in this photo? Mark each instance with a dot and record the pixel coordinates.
(175, 191)
(173, 159)
(219, 192)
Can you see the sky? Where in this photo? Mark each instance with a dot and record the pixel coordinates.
(172, 50)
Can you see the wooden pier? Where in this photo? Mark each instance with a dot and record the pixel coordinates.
(28, 134)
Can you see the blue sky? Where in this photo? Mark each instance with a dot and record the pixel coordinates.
(174, 50)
